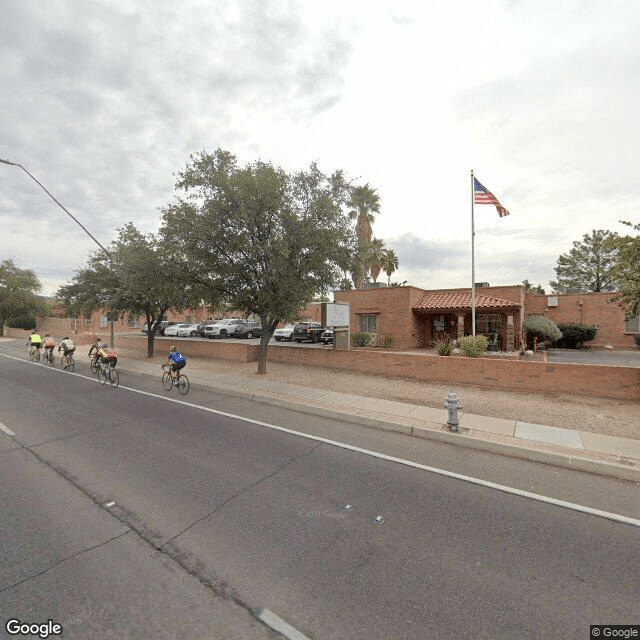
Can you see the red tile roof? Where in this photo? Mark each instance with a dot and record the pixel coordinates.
(461, 300)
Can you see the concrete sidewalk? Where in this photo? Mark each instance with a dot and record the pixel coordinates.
(570, 448)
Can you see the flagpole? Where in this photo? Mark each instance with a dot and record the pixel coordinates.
(473, 266)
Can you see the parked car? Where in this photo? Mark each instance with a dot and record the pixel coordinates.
(163, 325)
(222, 328)
(174, 328)
(284, 333)
(307, 331)
(201, 327)
(190, 330)
(326, 336)
(249, 329)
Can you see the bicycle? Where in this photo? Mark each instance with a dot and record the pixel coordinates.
(168, 381)
(48, 358)
(34, 354)
(94, 365)
(107, 372)
(67, 362)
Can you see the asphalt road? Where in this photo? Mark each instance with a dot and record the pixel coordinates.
(214, 517)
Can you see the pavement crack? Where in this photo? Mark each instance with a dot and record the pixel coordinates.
(242, 491)
(63, 560)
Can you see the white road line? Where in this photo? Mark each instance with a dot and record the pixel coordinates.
(616, 517)
(279, 625)
(7, 430)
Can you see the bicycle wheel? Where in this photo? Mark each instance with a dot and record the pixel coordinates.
(183, 385)
(102, 376)
(114, 378)
(71, 363)
(95, 367)
(167, 380)
(35, 355)
(50, 360)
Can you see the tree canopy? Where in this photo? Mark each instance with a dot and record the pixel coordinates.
(625, 272)
(18, 293)
(263, 240)
(589, 265)
(136, 276)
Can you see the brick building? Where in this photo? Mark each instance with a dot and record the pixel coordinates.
(414, 316)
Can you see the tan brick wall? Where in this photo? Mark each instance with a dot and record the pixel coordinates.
(393, 306)
(595, 309)
(585, 380)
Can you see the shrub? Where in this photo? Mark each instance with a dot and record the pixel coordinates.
(361, 339)
(444, 345)
(21, 323)
(388, 341)
(574, 335)
(636, 338)
(473, 347)
(541, 328)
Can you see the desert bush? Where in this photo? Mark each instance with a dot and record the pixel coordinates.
(636, 339)
(443, 345)
(541, 328)
(473, 347)
(21, 323)
(574, 335)
(361, 339)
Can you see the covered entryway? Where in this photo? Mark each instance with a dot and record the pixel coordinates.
(449, 315)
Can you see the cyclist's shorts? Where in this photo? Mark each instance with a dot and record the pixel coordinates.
(68, 352)
(37, 345)
(176, 366)
(110, 361)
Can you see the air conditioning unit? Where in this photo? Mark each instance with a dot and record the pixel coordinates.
(482, 285)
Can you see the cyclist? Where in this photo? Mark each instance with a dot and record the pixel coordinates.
(95, 347)
(177, 362)
(107, 356)
(35, 341)
(49, 345)
(68, 348)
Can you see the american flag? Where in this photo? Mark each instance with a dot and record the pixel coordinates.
(481, 195)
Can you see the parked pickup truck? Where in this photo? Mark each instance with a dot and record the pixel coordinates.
(307, 331)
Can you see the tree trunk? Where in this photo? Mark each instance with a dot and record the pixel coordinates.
(268, 326)
(2, 319)
(150, 338)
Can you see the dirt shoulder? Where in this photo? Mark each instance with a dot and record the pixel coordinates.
(597, 415)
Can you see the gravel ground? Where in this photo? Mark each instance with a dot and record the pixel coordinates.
(596, 415)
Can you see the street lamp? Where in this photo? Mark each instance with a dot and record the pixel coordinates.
(15, 164)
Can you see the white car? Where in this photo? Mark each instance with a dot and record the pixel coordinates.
(222, 328)
(190, 330)
(173, 329)
(284, 333)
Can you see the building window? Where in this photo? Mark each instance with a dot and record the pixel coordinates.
(488, 323)
(438, 323)
(104, 321)
(536, 315)
(369, 322)
(633, 325)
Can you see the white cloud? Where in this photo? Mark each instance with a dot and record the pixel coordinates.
(103, 102)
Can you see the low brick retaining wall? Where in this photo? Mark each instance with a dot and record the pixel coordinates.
(621, 383)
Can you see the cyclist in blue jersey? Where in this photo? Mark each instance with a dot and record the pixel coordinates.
(177, 362)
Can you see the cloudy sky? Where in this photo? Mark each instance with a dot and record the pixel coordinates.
(103, 101)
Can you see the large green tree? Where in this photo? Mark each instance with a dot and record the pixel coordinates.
(18, 293)
(588, 267)
(626, 272)
(260, 238)
(136, 276)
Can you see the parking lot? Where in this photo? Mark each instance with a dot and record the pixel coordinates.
(610, 358)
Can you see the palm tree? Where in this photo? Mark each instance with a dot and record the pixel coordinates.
(389, 263)
(374, 253)
(364, 203)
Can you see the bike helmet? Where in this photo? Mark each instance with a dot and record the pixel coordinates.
(173, 348)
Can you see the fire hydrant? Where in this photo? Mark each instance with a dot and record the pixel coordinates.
(452, 404)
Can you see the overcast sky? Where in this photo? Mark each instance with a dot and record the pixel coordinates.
(104, 101)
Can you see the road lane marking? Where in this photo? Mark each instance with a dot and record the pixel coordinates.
(7, 430)
(615, 517)
(278, 624)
